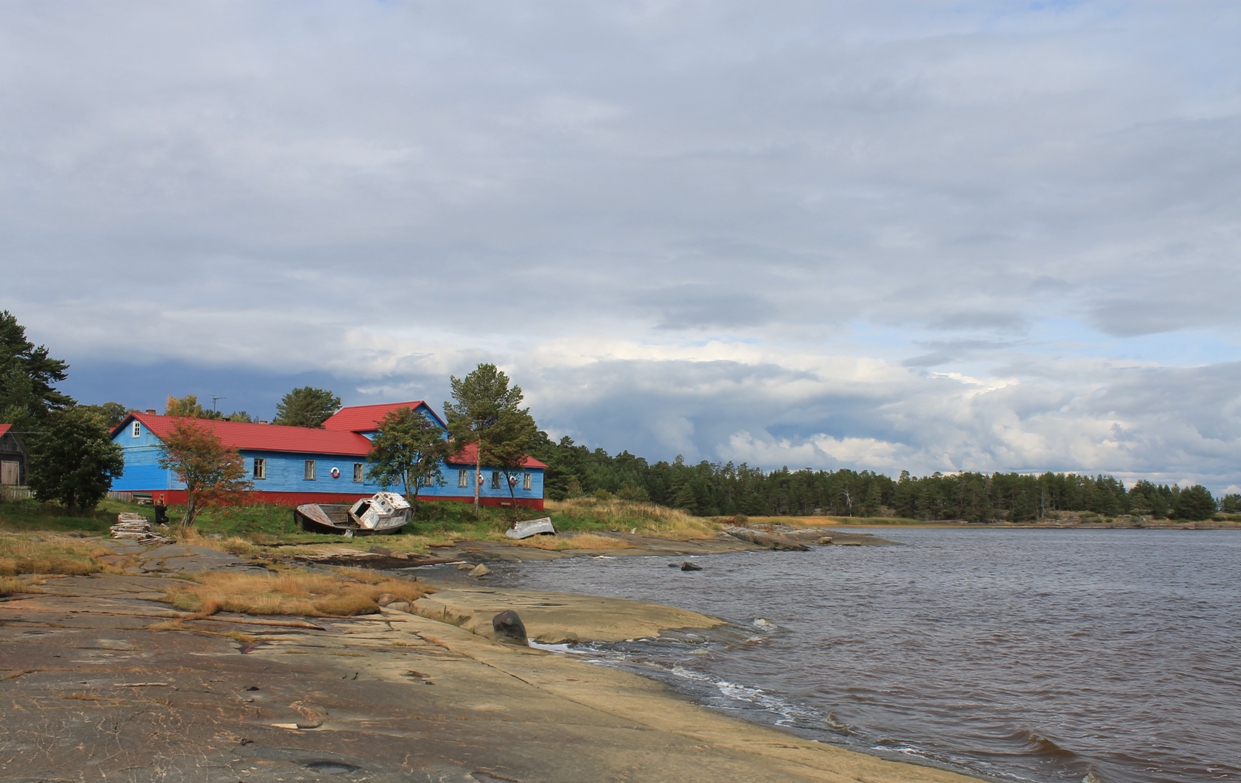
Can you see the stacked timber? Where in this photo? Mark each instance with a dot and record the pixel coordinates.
(135, 527)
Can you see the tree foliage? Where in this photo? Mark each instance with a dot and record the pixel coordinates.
(213, 474)
(74, 461)
(714, 489)
(306, 407)
(188, 407)
(110, 413)
(28, 377)
(407, 451)
(485, 413)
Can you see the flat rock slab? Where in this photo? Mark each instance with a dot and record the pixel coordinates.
(185, 558)
(98, 683)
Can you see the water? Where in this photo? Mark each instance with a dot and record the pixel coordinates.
(1043, 655)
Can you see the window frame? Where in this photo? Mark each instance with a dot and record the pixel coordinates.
(310, 471)
(463, 477)
(527, 481)
(495, 479)
(136, 430)
(359, 472)
(259, 470)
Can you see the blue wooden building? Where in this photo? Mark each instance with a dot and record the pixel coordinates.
(294, 465)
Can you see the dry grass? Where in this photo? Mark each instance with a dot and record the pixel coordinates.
(49, 554)
(11, 584)
(350, 592)
(573, 541)
(645, 518)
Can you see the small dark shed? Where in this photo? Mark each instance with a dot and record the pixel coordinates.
(13, 458)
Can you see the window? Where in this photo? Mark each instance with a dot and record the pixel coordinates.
(310, 470)
(463, 478)
(137, 430)
(260, 468)
(427, 481)
(527, 482)
(495, 479)
(357, 472)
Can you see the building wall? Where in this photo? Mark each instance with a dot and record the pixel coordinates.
(285, 477)
(11, 451)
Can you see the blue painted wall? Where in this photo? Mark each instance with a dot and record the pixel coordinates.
(286, 472)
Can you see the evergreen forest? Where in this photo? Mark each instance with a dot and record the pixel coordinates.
(712, 489)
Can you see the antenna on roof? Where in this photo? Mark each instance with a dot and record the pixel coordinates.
(214, 400)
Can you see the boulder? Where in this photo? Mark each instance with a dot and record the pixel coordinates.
(400, 606)
(766, 540)
(479, 571)
(509, 628)
(688, 566)
(385, 599)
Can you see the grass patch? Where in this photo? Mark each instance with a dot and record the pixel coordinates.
(824, 521)
(27, 554)
(18, 515)
(574, 541)
(343, 594)
(593, 514)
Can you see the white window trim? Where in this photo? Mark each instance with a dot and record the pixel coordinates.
(311, 471)
(359, 475)
(137, 430)
(527, 482)
(463, 478)
(260, 469)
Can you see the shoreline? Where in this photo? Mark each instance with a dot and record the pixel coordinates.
(125, 683)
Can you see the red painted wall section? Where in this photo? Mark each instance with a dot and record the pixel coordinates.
(176, 497)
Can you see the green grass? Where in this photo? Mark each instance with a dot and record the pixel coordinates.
(33, 515)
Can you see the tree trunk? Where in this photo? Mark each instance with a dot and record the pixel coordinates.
(478, 475)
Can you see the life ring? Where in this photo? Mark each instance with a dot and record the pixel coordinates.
(335, 472)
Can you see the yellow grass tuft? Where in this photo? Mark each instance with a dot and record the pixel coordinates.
(643, 518)
(574, 541)
(48, 554)
(290, 593)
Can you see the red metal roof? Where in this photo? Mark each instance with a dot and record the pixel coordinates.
(366, 418)
(468, 453)
(4, 428)
(264, 437)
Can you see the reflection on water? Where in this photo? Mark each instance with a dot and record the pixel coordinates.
(1043, 655)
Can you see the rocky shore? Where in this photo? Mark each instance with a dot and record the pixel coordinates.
(99, 680)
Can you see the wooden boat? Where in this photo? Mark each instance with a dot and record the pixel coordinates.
(383, 512)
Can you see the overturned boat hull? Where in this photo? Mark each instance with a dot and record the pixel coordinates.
(532, 527)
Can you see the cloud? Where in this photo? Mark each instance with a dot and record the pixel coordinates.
(682, 227)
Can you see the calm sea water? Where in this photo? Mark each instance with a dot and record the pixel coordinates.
(1043, 655)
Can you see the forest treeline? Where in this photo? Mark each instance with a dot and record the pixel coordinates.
(713, 489)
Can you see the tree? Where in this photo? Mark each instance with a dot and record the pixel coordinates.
(110, 413)
(187, 407)
(212, 473)
(511, 442)
(408, 450)
(485, 414)
(306, 407)
(1194, 503)
(27, 377)
(74, 460)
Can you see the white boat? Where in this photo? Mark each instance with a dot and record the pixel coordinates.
(532, 527)
(383, 512)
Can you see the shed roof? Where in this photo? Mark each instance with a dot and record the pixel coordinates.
(262, 437)
(4, 428)
(366, 418)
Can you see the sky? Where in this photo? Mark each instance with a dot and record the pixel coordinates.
(872, 235)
